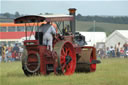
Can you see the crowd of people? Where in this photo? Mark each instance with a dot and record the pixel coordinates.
(112, 52)
(13, 53)
(10, 53)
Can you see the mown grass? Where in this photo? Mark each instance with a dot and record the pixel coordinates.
(109, 72)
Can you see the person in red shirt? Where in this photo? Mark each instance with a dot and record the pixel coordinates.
(122, 53)
(14, 56)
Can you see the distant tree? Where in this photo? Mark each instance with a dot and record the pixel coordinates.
(41, 14)
(108, 19)
(48, 13)
(8, 15)
(79, 17)
(17, 14)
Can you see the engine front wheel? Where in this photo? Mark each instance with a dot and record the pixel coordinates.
(30, 63)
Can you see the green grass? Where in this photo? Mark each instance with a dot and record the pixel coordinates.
(6, 20)
(109, 72)
(106, 27)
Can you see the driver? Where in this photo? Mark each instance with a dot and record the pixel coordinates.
(48, 31)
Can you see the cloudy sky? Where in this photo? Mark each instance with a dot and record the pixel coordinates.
(84, 7)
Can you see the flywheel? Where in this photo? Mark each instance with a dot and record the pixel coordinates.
(66, 57)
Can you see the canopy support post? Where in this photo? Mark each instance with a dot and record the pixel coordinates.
(26, 30)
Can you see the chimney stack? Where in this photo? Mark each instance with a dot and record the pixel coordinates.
(72, 11)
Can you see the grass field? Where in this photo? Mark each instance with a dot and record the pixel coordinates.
(105, 27)
(109, 72)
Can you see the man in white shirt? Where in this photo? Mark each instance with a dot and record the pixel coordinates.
(48, 31)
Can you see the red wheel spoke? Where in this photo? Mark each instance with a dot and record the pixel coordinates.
(63, 67)
(62, 57)
(66, 51)
(62, 61)
(63, 52)
(68, 67)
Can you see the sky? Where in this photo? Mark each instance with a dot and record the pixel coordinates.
(84, 7)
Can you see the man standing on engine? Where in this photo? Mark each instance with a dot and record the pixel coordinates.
(48, 31)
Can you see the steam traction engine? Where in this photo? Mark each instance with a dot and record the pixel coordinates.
(69, 53)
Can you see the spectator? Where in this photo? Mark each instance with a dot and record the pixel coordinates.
(6, 56)
(98, 54)
(126, 54)
(20, 51)
(118, 49)
(10, 48)
(102, 53)
(107, 52)
(115, 51)
(125, 49)
(3, 51)
(112, 51)
(14, 54)
(16, 48)
(0, 53)
(9, 53)
(122, 53)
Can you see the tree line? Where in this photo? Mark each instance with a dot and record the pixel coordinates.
(106, 19)
(79, 17)
(9, 15)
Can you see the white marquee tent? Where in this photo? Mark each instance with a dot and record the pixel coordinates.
(94, 37)
(117, 36)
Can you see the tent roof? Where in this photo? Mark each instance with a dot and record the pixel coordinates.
(121, 33)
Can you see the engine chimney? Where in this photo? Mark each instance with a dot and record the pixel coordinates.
(72, 11)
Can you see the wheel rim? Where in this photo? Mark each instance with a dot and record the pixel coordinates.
(32, 62)
(67, 50)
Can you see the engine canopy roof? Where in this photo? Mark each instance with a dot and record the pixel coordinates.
(41, 18)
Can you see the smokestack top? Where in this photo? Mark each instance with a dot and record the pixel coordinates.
(72, 10)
